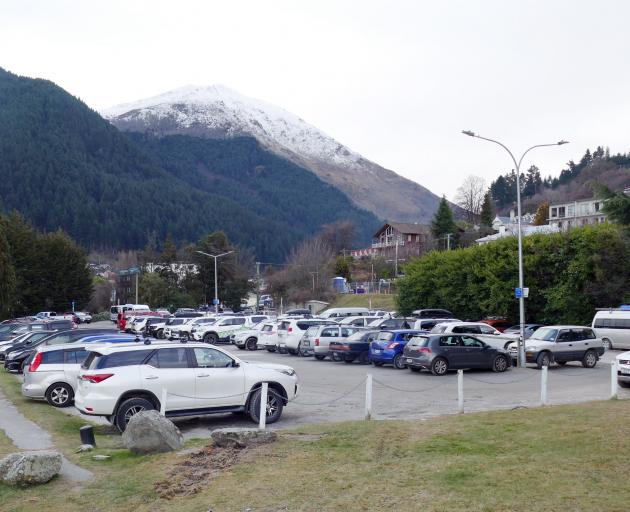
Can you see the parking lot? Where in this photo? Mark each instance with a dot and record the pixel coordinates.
(335, 391)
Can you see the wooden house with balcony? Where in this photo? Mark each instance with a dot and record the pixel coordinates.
(398, 238)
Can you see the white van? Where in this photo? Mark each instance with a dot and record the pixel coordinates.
(613, 327)
(123, 308)
(341, 312)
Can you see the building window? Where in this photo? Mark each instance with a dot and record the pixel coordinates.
(596, 207)
(418, 238)
(554, 212)
(408, 238)
(571, 210)
(561, 212)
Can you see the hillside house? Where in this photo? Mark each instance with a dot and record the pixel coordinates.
(401, 238)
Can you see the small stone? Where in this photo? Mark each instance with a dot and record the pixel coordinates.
(242, 437)
(28, 468)
(84, 448)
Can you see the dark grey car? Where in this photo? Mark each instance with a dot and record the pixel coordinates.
(442, 352)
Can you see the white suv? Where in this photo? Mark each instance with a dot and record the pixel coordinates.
(122, 380)
(290, 332)
(484, 332)
(221, 330)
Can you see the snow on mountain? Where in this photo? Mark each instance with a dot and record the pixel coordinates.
(219, 112)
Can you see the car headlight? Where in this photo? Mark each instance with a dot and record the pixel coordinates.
(287, 371)
(12, 355)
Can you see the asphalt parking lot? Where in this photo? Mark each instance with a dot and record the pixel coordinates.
(335, 391)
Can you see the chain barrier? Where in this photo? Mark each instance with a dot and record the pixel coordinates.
(376, 381)
(334, 399)
(533, 374)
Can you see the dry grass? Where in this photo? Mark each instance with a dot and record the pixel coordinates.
(546, 459)
(378, 300)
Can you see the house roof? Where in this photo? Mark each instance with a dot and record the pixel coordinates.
(406, 228)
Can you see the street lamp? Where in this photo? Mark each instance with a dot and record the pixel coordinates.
(216, 283)
(521, 299)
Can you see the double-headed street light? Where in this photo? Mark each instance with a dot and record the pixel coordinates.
(216, 282)
(521, 298)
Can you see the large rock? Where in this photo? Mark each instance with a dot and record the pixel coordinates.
(150, 432)
(242, 437)
(29, 468)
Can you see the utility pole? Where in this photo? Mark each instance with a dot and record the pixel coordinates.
(257, 286)
(216, 280)
(396, 260)
(137, 276)
(448, 241)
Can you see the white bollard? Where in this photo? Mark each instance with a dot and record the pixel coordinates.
(262, 422)
(163, 402)
(613, 379)
(460, 391)
(543, 385)
(368, 397)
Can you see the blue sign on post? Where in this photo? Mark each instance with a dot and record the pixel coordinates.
(518, 292)
(215, 302)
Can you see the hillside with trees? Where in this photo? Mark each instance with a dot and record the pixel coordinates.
(575, 182)
(63, 166)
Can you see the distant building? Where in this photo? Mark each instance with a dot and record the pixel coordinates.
(508, 226)
(181, 270)
(565, 216)
(404, 239)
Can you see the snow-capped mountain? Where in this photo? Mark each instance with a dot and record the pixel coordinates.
(219, 112)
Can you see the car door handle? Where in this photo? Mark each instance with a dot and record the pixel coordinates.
(152, 377)
(204, 375)
(570, 344)
(586, 344)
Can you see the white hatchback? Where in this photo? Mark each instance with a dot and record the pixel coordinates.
(119, 381)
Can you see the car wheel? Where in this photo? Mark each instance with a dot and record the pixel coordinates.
(292, 351)
(590, 359)
(414, 369)
(59, 395)
(274, 406)
(335, 357)
(271, 349)
(240, 347)
(282, 350)
(211, 338)
(543, 359)
(607, 344)
(160, 334)
(184, 336)
(364, 358)
(130, 408)
(439, 366)
(250, 343)
(320, 357)
(399, 363)
(500, 364)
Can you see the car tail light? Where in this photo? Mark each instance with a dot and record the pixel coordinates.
(317, 342)
(36, 362)
(391, 345)
(425, 350)
(290, 329)
(99, 377)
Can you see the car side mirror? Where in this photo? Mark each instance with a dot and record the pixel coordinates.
(235, 364)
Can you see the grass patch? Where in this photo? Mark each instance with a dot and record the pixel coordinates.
(378, 301)
(545, 459)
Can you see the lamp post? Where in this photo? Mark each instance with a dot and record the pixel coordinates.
(216, 282)
(521, 298)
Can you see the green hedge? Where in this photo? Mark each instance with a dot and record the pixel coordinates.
(568, 275)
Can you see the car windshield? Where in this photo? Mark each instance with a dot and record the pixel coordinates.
(385, 336)
(545, 334)
(418, 341)
(359, 335)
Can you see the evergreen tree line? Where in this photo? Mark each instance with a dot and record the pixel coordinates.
(39, 271)
(569, 275)
(503, 189)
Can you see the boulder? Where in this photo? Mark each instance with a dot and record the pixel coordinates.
(242, 437)
(29, 468)
(150, 432)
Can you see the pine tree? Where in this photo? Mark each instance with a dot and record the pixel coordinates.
(7, 276)
(487, 211)
(443, 224)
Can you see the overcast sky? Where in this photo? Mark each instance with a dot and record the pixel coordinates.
(396, 81)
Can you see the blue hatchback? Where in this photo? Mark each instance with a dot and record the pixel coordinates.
(388, 347)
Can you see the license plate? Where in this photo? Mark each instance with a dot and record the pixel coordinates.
(409, 360)
(376, 351)
(307, 343)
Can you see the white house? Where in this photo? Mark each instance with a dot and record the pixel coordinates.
(574, 214)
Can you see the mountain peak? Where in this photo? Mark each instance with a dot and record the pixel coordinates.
(216, 111)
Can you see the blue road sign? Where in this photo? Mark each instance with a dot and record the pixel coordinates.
(215, 302)
(518, 292)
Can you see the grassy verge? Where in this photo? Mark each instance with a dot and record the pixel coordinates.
(378, 301)
(546, 459)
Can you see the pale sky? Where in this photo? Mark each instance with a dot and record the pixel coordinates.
(396, 81)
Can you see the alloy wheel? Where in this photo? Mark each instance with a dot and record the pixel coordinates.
(59, 395)
(132, 412)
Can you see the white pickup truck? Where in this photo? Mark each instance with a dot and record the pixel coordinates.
(51, 315)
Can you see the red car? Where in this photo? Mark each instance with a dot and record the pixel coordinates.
(500, 324)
